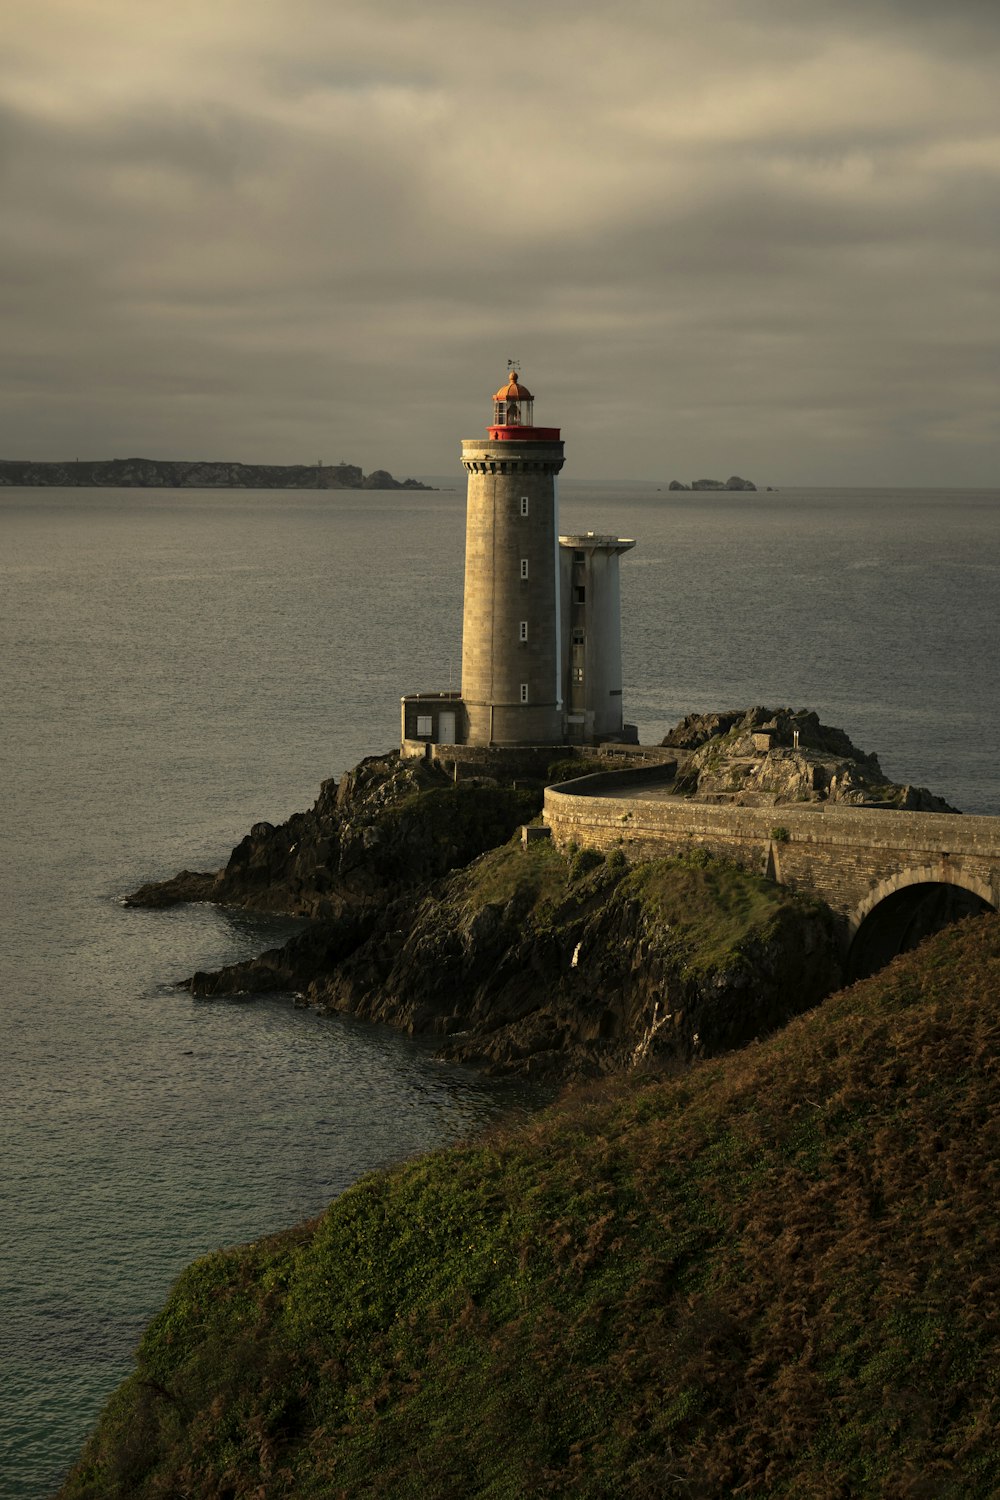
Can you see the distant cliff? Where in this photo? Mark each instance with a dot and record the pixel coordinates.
(188, 474)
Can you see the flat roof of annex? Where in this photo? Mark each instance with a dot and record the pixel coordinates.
(595, 541)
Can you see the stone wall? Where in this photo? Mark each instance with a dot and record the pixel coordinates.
(843, 855)
(644, 763)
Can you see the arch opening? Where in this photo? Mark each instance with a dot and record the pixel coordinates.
(904, 918)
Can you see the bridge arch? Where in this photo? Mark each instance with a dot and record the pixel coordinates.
(906, 907)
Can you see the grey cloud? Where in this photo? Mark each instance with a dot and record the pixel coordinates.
(331, 239)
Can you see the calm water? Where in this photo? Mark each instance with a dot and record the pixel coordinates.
(177, 666)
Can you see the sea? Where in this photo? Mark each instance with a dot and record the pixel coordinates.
(178, 665)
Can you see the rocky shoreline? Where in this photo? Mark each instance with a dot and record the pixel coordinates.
(664, 1273)
(427, 911)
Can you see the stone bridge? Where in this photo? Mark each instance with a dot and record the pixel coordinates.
(889, 876)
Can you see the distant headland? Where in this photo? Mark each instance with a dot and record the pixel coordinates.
(188, 474)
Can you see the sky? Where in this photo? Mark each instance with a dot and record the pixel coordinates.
(716, 236)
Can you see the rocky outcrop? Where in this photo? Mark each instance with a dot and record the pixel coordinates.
(531, 960)
(779, 756)
(156, 473)
(384, 827)
(519, 959)
(534, 963)
(381, 479)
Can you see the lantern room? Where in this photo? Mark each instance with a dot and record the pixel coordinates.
(513, 415)
(513, 404)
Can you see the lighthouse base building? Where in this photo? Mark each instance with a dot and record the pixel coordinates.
(541, 629)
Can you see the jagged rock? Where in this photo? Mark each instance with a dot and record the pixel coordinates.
(189, 885)
(733, 482)
(306, 956)
(514, 977)
(694, 729)
(386, 826)
(521, 959)
(380, 479)
(675, 484)
(751, 757)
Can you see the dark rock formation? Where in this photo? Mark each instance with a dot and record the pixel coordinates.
(780, 756)
(189, 885)
(524, 959)
(156, 473)
(519, 959)
(534, 963)
(386, 826)
(695, 729)
(734, 482)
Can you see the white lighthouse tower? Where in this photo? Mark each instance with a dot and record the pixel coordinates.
(511, 653)
(541, 633)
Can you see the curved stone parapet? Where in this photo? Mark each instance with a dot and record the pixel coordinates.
(844, 855)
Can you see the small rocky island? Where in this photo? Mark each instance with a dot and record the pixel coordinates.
(188, 474)
(734, 482)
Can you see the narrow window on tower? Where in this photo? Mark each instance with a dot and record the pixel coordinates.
(524, 567)
(524, 505)
(523, 632)
(524, 692)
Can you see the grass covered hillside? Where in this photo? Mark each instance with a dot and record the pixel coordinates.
(774, 1274)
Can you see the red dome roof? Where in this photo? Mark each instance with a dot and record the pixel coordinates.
(512, 391)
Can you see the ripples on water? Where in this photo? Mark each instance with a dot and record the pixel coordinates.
(177, 666)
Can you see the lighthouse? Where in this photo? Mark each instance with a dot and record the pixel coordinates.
(541, 631)
(511, 625)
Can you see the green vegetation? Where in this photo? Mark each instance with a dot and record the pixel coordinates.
(573, 766)
(583, 862)
(774, 1274)
(533, 960)
(533, 877)
(706, 912)
(477, 817)
(712, 909)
